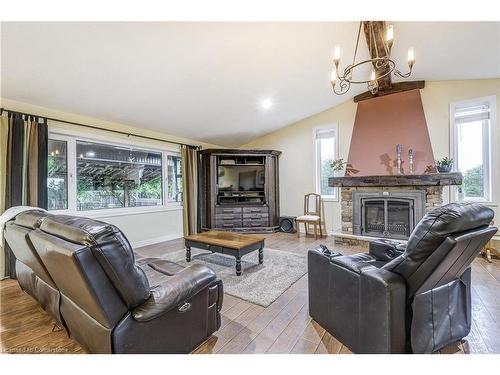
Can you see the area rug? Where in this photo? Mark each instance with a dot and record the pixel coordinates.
(259, 283)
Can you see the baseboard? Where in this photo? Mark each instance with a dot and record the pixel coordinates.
(152, 241)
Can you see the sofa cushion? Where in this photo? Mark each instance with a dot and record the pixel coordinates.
(432, 230)
(111, 249)
(357, 262)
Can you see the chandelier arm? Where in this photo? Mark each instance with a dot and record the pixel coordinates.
(344, 87)
(386, 44)
(402, 75)
(348, 70)
(372, 36)
(357, 43)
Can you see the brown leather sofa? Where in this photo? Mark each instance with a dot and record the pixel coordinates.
(31, 273)
(416, 301)
(109, 301)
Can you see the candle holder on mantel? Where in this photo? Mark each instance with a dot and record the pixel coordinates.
(399, 150)
(411, 154)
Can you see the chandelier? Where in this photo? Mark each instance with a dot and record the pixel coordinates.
(382, 64)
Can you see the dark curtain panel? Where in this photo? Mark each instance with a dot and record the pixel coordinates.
(26, 169)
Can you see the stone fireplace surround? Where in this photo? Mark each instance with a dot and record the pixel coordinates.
(430, 184)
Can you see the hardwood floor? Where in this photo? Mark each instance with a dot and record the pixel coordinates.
(282, 327)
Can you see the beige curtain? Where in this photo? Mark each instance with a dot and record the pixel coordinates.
(4, 136)
(190, 189)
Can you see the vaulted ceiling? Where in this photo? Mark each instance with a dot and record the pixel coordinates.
(206, 81)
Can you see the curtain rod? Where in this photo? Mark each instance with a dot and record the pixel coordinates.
(98, 128)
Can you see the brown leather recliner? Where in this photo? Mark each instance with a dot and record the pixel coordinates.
(111, 303)
(416, 301)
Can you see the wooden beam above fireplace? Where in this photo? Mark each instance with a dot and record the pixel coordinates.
(376, 47)
(395, 88)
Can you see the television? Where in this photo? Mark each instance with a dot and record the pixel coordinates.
(241, 178)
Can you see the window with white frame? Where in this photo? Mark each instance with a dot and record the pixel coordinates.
(471, 123)
(174, 178)
(326, 151)
(57, 174)
(89, 176)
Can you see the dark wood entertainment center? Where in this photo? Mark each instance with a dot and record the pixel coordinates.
(239, 190)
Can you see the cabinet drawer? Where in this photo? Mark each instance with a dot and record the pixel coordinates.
(255, 223)
(253, 215)
(256, 209)
(227, 216)
(228, 223)
(228, 210)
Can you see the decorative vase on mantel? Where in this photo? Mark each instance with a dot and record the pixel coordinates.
(339, 173)
(338, 166)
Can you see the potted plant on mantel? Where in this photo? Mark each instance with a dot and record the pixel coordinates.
(444, 165)
(338, 167)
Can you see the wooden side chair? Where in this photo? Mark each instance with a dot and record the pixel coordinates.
(314, 213)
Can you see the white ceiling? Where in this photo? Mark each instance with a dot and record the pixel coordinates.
(205, 80)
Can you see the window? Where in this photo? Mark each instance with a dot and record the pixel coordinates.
(471, 129)
(57, 175)
(174, 178)
(326, 150)
(115, 176)
(87, 176)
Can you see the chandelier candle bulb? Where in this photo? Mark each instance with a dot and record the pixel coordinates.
(411, 56)
(390, 36)
(336, 54)
(373, 75)
(333, 77)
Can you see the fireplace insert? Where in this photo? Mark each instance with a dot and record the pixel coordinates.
(387, 214)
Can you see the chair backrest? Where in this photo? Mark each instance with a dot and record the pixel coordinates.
(16, 235)
(312, 204)
(443, 244)
(92, 264)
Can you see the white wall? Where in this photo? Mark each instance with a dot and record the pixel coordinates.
(296, 142)
(152, 226)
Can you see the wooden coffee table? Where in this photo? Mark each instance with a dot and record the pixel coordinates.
(230, 243)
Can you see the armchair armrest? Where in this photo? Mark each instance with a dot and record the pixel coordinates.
(382, 311)
(174, 291)
(386, 250)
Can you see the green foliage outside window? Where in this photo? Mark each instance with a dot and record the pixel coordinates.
(472, 185)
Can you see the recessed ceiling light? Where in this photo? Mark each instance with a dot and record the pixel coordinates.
(266, 103)
(90, 154)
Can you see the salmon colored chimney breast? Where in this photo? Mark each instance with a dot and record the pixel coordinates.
(382, 123)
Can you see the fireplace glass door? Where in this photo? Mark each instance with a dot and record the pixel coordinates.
(387, 217)
(374, 217)
(398, 218)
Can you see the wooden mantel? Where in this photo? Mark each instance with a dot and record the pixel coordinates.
(430, 179)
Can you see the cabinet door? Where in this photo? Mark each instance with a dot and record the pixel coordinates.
(272, 189)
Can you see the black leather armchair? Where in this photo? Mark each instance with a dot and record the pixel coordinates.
(415, 299)
(109, 301)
